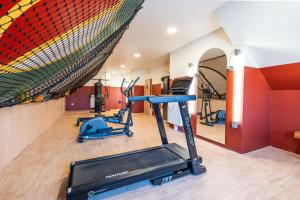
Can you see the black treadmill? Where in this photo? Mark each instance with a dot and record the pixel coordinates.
(158, 164)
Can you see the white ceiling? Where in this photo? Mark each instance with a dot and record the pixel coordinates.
(147, 33)
(271, 30)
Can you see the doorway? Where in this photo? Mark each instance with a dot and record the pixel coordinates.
(211, 102)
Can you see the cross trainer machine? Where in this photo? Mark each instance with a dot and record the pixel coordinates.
(208, 90)
(159, 164)
(211, 118)
(97, 128)
(117, 118)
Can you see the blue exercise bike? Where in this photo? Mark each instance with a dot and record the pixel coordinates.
(97, 128)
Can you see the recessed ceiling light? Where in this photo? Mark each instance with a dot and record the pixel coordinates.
(123, 66)
(172, 30)
(113, 72)
(137, 55)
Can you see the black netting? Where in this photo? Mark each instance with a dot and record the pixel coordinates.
(49, 48)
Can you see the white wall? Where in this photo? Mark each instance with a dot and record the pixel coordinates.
(191, 53)
(20, 125)
(100, 75)
(116, 78)
(138, 73)
(157, 73)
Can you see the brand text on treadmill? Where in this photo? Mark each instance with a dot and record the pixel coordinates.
(115, 175)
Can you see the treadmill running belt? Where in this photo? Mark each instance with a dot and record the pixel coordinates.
(112, 169)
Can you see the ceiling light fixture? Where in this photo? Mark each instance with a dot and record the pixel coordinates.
(123, 66)
(137, 55)
(113, 72)
(172, 30)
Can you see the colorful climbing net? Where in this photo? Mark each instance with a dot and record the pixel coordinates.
(50, 48)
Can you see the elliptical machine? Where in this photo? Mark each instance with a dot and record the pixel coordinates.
(97, 128)
(208, 90)
(117, 118)
(211, 118)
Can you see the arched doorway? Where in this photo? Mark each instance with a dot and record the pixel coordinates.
(211, 102)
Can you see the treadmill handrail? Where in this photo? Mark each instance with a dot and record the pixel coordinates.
(163, 99)
(183, 107)
(173, 98)
(138, 98)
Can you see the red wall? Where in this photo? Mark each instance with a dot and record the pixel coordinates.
(254, 131)
(115, 100)
(285, 119)
(79, 100)
(156, 89)
(106, 106)
(283, 77)
(285, 82)
(138, 107)
(257, 111)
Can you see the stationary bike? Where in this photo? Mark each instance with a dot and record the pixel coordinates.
(97, 127)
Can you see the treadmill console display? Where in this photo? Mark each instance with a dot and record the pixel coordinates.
(181, 86)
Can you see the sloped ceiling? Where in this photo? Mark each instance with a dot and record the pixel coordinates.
(269, 29)
(283, 77)
(147, 33)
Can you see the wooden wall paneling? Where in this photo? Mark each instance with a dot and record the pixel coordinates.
(21, 124)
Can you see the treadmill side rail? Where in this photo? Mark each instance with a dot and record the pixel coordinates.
(196, 167)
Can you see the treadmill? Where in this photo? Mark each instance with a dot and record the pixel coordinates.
(159, 164)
